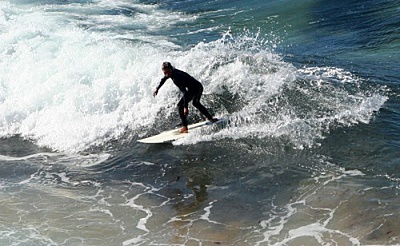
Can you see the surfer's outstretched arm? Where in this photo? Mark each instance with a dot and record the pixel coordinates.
(159, 86)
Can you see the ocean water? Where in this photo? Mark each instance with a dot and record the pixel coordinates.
(310, 155)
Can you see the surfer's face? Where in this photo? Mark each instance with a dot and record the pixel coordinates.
(167, 72)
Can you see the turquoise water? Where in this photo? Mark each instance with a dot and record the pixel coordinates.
(309, 157)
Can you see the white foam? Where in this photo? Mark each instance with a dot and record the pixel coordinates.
(206, 215)
(68, 88)
(308, 215)
(38, 155)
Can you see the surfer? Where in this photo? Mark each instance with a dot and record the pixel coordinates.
(192, 90)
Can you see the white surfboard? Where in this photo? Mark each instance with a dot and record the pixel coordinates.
(171, 135)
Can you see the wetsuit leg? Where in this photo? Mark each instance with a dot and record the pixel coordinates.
(195, 95)
(181, 107)
(198, 105)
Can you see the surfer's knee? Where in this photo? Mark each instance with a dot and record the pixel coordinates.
(180, 104)
(196, 103)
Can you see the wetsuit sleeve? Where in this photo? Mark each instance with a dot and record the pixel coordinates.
(161, 82)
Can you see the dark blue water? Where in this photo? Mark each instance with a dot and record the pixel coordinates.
(310, 155)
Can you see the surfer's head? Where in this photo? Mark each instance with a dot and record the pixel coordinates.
(167, 69)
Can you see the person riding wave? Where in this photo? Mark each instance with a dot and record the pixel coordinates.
(191, 88)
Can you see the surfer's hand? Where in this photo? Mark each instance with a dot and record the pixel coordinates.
(185, 111)
(155, 93)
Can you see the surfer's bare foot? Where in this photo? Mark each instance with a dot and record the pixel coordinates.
(213, 120)
(183, 130)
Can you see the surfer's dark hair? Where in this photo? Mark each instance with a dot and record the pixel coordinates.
(166, 65)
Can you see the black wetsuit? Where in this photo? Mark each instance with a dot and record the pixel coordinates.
(191, 88)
